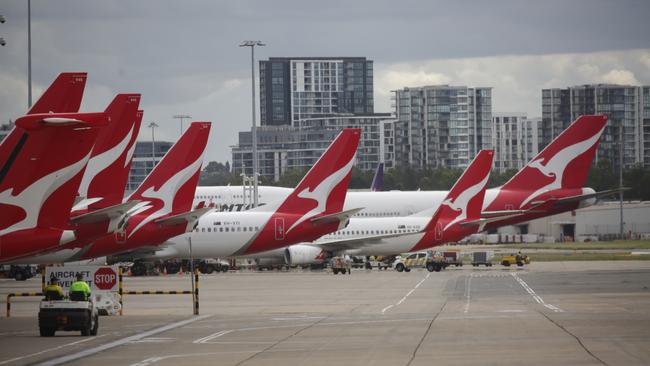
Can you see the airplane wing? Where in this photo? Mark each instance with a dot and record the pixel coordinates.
(107, 213)
(356, 243)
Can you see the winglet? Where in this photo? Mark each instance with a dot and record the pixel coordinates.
(63, 95)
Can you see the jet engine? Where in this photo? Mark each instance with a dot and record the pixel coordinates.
(304, 254)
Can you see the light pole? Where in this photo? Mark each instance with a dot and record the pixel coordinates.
(29, 52)
(2, 40)
(620, 176)
(252, 45)
(153, 125)
(182, 117)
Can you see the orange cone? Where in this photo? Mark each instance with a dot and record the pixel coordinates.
(164, 270)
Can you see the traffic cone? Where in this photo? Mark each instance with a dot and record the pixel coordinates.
(164, 270)
(129, 273)
(180, 271)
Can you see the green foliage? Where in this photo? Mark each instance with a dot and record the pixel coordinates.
(291, 177)
(218, 174)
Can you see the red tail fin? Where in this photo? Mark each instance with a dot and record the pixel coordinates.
(63, 96)
(43, 160)
(320, 193)
(322, 190)
(108, 169)
(564, 163)
(465, 199)
(170, 187)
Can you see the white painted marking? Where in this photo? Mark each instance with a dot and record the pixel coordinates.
(211, 337)
(511, 311)
(119, 342)
(155, 340)
(51, 349)
(536, 297)
(468, 293)
(405, 296)
(299, 318)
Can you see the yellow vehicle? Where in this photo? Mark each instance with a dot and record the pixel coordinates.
(518, 259)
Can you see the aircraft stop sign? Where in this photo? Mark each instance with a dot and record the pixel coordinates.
(105, 278)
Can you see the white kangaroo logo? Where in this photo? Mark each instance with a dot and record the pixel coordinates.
(166, 193)
(460, 203)
(322, 192)
(100, 162)
(555, 166)
(32, 198)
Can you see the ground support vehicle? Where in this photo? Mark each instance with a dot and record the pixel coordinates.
(19, 273)
(482, 258)
(67, 315)
(208, 266)
(453, 257)
(376, 262)
(518, 259)
(430, 260)
(341, 265)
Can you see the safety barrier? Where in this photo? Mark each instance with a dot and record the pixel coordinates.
(194, 292)
(19, 294)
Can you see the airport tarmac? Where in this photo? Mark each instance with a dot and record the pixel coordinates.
(553, 313)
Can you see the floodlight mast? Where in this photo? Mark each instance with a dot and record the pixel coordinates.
(252, 45)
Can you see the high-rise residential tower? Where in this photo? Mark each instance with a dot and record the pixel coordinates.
(441, 125)
(296, 88)
(625, 105)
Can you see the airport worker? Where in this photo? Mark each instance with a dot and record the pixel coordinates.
(79, 289)
(53, 291)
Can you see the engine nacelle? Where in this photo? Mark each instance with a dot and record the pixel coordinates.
(590, 201)
(304, 254)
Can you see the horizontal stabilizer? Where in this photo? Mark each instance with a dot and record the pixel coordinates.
(587, 196)
(107, 213)
(336, 217)
(187, 217)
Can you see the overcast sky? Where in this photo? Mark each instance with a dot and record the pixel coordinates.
(183, 56)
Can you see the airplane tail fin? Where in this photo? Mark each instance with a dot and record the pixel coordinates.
(63, 95)
(170, 186)
(569, 154)
(378, 179)
(108, 169)
(465, 199)
(322, 190)
(41, 164)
